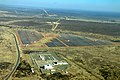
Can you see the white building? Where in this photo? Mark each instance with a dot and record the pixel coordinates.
(48, 67)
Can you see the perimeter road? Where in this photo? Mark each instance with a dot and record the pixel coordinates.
(18, 59)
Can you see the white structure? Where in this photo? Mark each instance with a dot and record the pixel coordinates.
(32, 70)
(48, 67)
(60, 63)
(42, 57)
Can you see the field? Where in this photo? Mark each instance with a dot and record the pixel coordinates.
(29, 37)
(55, 43)
(73, 40)
(111, 29)
(38, 20)
(25, 23)
(91, 27)
(64, 40)
(60, 40)
(8, 53)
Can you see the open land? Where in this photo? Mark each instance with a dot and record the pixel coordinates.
(91, 49)
(8, 54)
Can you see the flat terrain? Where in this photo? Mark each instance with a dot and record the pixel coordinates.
(88, 63)
(92, 49)
(71, 25)
(39, 22)
(27, 38)
(8, 53)
(91, 27)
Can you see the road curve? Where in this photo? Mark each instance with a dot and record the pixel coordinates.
(18, 59)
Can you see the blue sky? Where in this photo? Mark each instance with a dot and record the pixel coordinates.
(94, 5)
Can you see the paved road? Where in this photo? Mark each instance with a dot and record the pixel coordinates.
(18, 59)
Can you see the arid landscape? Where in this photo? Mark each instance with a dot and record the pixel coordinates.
(8, 52)
(36, 45)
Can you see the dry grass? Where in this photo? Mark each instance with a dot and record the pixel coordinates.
(87, 61)
(8, 53)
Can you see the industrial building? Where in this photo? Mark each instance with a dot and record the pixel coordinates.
(48, 61)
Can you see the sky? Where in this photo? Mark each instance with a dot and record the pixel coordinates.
(93, 5)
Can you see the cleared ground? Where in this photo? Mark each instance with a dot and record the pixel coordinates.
(59, 40)
(29, 37)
